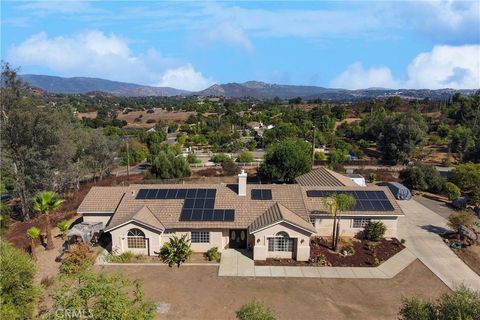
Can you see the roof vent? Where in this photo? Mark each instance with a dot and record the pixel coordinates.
(242, 183)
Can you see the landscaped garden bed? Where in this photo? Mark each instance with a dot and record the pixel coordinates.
(129, 257)
(352, 253)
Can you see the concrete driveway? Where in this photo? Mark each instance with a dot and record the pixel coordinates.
(420, 228)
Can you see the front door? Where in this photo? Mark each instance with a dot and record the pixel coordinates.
(238, 239)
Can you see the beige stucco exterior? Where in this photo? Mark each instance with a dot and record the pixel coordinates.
(301, 249)
(324, 226)
(104, 218)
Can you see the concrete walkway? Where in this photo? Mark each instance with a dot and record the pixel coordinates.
(239, 264)
(420, 228)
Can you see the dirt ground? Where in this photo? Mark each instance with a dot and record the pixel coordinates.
(471, 257)
(198, 293)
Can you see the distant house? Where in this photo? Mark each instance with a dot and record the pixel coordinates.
(273, 220)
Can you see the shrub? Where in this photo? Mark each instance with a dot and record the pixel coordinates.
(150, 111)
(212, 254)
(220, 158)
(18, 291)
(137, 119)
(423, 177)
(452, 191)
(320, 156)
(176, 251)
(192, 158)
(463, 303)
(124, 257)
(374, 231)
(77, 259)
(363, 143)
(151, 121)
(372, 177)
(254, 311)
(63, 226)
(460, 220)
(230, 168)
(245, 157)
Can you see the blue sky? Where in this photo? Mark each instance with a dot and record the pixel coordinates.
(191, 45)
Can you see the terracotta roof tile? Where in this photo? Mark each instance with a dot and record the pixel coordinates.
(102, 200)
(277, 213)
(324, 177)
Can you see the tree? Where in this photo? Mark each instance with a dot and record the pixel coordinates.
(336, 156)
(44, 202)
(423, 177)
(462, 304)
(176, 251)
(168, 165)
(467, 177)
(400, 135)
(336, 204)
(18, 291)
(461, 141)
(100, 296)
(279, 133)
(245, 157)
(254, 310)
(220, 158)
(461, 220)
(452, 191)
(32, 234)
(287, 160)
(63, 226)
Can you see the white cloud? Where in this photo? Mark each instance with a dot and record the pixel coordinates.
(229, 34)
(185, 77)
(456, 67)
(95, 54)
(356, 77)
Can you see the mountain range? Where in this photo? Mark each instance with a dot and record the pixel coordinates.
(253, 89)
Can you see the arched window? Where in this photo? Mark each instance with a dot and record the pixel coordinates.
(281, 242)
(136, 239)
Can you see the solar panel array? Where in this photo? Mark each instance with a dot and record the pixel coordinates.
(261, 194)
(199, 204)
(365, 200)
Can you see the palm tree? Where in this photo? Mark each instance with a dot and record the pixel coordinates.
(336, 204)
(33, 233)
(176, 251)
(63, 226)
(44, 202)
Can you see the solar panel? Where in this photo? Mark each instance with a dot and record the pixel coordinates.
(197, 214)
(207, 215)
(181, 193)
(199, 203)
(152, 194)
(142, 193)
(191, 193)
(365, 200)
(229, 215)
(189, 203)
(211, 193)
(186, 215)
(171, 193)
(218, 214)
(261, 194)
(209, 203)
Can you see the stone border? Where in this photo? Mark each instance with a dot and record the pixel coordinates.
(386, 270)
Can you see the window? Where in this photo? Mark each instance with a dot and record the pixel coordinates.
(313, 220)
(136, 239)
(200, 237)
(360, 222)
(281, 242)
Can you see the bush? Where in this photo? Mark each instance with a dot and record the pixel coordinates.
(374, 231)
(245, 157)
(150, 111)
(363, 143)
(372, 177)
(230, 168)
(151, 121)
(18, 291)
(63, 226)
(77, 259)
(212, 254)
(176, 251)
(192, 158)
(423, 177)
(254, 311)
(452, 191)
(461, 220)
(220, 158)
(463, 303)
(124, 257)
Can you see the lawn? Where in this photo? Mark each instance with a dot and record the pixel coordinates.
(198, 293)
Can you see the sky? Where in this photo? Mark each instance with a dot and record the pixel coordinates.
(192, 45)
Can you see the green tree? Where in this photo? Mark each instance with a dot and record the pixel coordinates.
(336, 156)
(254, 310)
(467, 178)
(220, 158)
(374, 231)
(336, 204)
(18, 291)
(423, 177)
(287, 160)
(100, 296)
(176, 251)
(44, 202)
(245, 157)
(167, 165)
(461, 220)
(461, 141)
(192, 158)
(279, 133)
(32, 234)
(462, 304)
(63, 226)
(400, 135)
(452, 191)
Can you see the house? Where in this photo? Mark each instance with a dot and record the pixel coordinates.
(273, 220)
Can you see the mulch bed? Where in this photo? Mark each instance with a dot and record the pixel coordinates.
(363, 257)
(196, 257)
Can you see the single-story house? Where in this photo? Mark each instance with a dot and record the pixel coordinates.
(273, 220)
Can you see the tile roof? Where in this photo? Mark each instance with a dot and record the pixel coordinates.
(145, 215)
(324, 177)
(102, 200)
(278, 213)
(314, 205)
(246, 210)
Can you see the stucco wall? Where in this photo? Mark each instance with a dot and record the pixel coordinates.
(324, 226)
(301, 245)
(218, 238)
(97, 218)
(119, 240)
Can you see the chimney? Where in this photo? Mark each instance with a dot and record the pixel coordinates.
(242, 183)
